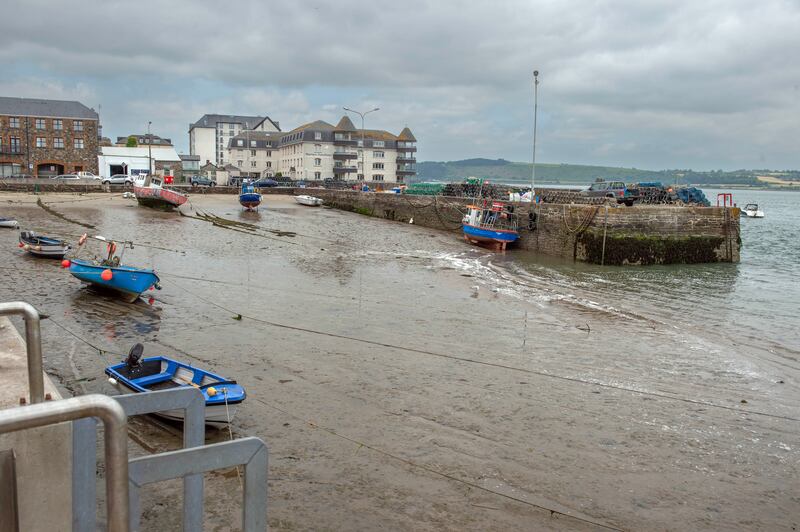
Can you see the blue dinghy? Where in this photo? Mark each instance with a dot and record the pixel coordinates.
(138, 375)
(248, 197)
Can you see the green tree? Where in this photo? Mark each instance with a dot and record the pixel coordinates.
(131, 142)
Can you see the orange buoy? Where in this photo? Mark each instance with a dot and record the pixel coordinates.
(21, 244)
(106, 275)
(65, 263)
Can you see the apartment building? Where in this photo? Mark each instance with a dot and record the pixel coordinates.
(45, 138)
(254, 153)
(210, 136)
(319, 150)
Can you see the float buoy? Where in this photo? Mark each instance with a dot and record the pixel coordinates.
(82, 239)
(212, 391)
(106, 275)
(65, 263)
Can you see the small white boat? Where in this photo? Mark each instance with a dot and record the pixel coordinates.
(311, 201)
(751, 210)
(8, 222)
(42, 246)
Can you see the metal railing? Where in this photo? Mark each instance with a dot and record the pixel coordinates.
(33, 342)
(115, 423)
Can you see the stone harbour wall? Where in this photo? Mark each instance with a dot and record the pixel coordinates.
(600, 234)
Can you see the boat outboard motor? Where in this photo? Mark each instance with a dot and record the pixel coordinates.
(134, 360)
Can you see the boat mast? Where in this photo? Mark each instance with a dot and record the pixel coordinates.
(535, 110)
(149, 155)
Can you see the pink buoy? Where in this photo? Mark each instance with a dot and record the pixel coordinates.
(106, 275)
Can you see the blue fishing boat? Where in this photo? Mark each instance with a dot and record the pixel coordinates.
(249, 198)
(110, 274)
(138, 375)
(492, 225)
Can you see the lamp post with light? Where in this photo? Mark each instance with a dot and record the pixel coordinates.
(363, 144)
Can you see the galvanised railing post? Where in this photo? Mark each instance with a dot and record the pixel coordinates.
(116, 441)
(33, 341)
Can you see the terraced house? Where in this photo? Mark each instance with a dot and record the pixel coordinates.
(45, 138)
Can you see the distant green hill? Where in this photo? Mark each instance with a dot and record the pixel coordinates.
(504, 171)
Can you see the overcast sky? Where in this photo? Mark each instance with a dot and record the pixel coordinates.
(651, 84)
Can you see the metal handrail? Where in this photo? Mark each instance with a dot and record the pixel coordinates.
(116, 441)
(33, 341)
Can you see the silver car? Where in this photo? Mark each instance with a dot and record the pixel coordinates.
(118, 179)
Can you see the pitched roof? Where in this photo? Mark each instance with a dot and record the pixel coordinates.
(187, 157)
(45, 108)
(406, 134)
(345, 124)
(274, 123)
(317, 124)
(378, 134)
(210, 120)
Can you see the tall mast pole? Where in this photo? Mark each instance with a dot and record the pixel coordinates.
(535, 111)
(149, 151)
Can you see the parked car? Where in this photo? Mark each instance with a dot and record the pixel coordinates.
(265, 182)
(118, 179)
(199, 181)
(65, 177)
(87, 175)
(612, 189)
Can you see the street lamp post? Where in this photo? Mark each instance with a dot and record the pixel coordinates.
(535, 109)
(363, 143)
(149, 151)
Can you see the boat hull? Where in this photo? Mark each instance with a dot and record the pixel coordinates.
(159, 373)
(309, 201)
(250, 200)
(40, 246)
(127, 282)
(494, 237)
(158, 198)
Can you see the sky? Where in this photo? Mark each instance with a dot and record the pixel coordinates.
(647, 84)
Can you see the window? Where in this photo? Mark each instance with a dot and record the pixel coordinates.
(317, 162)
(41, 123)
(252, 164)
(58, 125)
(317, 135)
(239, 164)
(41, 142)
(378, 144)
(77, 144)
(252, 144)
(360, 143)
(269, 154)
(14, 145)
(230, 126)
(240, 142)
(317, 148)
(317, 175)
(377, 177)
(13, 121)
(377, 166)
(269, 164)
(378, 154)
(252, 153)
(77, 125)
(58, 142)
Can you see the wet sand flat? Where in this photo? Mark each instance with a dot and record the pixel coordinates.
(401, 384)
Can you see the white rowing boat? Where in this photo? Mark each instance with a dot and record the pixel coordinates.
(310, 201)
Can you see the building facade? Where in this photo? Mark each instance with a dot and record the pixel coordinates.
(210, 136)
(114, 160)
(319, 150)
(45, 138)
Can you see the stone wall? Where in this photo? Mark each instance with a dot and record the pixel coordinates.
(652, 234)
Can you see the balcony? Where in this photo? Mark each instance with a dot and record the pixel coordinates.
(406, 146)
(406, 158)
(406, 169)
(344, 155)
(344, 140)
(343, 169)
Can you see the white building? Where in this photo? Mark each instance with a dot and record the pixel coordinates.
(254, 153)
(209, 137)
(132, 161)
(319, 150)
